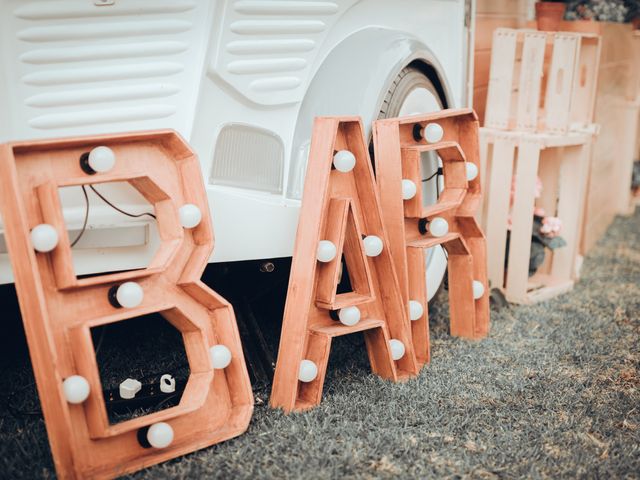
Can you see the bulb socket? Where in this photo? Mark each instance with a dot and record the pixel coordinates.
(417, 132)
(84, 164)
(112, 295)
(334, 315)
(333, 167)
(422, 226)
(142, 437)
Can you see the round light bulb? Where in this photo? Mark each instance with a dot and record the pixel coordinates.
(44, 237)
(397, 349)
(326, 252)
(190, 215)
(101, 159)
(308, 371)
(433, 133)
(438, 227)
(478, 289)
(76, 389)
(373, 245)
(220, 356)
(349, 316)
(416, 310)
(129, 295)
(344, 161)
(160, 435)
(472, 170)
(408, 189)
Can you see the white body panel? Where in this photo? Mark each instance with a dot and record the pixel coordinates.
(71, 67)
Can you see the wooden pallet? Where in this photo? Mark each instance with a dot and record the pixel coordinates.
(340, 207)
(59, 309)
(629, 136)
(561, 161)
(542, 81)
(398, 149)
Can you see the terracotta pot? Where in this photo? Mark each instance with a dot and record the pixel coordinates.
(549, 15)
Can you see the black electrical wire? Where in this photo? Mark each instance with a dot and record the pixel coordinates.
(86, 217)
(430, 177)
(132, 215)
(105, 200)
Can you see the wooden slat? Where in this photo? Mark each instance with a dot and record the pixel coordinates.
(530, 81)
(570, 209)
(501, 78)
(500, 167)
(521, 220)
(557, 100)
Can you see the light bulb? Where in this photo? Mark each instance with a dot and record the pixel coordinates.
(76, 389)
(160, 435)
(438, 227)
(44, 237)
(408, 189)
(308, 371)
(101, 159)
(220, 356)
(349, 316)
(190, 215)
(372, 245)
(344, 161)
(129, 295)
(416, 310)
(472, 170)
(397, 349)
(478, 289)
(326, 251)
(433, 133)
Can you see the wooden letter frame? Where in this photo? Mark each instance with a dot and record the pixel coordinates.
(340, 207)
(59, 309)
(398, 146)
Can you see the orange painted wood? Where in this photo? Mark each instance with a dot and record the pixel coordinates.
(341, 207)
(58, 309)
(397, 158)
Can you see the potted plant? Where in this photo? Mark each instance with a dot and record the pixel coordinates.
(603, 10)
(549, 14)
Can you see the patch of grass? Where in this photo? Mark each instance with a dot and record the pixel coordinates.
(553, 392)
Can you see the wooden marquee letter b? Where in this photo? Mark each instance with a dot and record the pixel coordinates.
(59, 308)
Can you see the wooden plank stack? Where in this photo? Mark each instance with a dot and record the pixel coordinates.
(538, 123)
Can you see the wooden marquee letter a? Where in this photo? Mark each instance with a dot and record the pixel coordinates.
(340, 215)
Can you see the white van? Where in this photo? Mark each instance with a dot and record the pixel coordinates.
(241, 80)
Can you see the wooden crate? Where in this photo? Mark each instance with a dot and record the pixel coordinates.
(542, 81)
(341, 207)
(59, 308)
(629, 135)
(610, 163)
(561, 161)
(397, 160)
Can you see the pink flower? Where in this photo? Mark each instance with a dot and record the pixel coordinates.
(551, 226)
